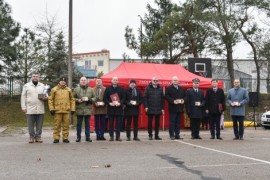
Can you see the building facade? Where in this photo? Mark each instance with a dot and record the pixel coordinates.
(92, 63)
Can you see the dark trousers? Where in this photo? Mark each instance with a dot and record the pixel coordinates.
(135, 126)
(175, 120)
(195, 127)
(238, 133)
(150, 118)
(118, 123)
(87, 126)
(100, 124)
(215, 124)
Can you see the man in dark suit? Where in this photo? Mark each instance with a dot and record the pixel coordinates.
(215, 105)
(175, 96)
(114, 97)
(134, 99)
(194, 105)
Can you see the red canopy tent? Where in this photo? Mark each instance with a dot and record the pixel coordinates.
(143, 73)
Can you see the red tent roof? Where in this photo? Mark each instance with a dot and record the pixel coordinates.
(143, 73)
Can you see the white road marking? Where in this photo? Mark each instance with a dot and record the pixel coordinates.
(212, 165)
(223, 152)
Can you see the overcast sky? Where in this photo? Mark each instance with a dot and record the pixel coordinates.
(97, 24)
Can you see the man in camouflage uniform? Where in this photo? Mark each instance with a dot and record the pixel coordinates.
(61, 104)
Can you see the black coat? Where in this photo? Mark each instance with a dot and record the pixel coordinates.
(212, 101)
(154, 99)
(133, 110)
(172, 94)
(191, 97)
(114, 110)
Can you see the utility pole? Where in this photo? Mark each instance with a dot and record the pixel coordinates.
(141, 37)
(70, 51)
(70, 44)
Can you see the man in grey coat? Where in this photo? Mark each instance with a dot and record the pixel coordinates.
(237, 98)
(32, 103)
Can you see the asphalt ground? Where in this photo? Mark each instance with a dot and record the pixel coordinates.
(166, 159)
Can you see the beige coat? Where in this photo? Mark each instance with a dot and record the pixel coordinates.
(29, 98)
(61, 100)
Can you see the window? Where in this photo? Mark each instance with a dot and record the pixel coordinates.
(87, 64)
(100, 63)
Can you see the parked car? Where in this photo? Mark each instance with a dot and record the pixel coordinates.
(265, 120)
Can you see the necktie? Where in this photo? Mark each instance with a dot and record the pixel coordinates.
(215, 90)
(98, 92)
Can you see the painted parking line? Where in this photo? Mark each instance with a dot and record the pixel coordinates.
(223, 152)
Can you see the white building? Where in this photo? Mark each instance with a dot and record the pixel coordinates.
(92, 63)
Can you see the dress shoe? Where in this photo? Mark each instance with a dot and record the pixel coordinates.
(199, 137)
(241, 138)
(98, 138)
(31, 140)
(56, 141)
(65, 141)
(192, 137)
(128, 138)
(172, 138)
(102, 138)
(212, 137)
(178, 137)
(150, 138)
(220, 138)
(136, 139)
(118, 139)
(158, 138)
(235, 138)
(88, 140)
(78, 140)
(38, 140)
(111, 139)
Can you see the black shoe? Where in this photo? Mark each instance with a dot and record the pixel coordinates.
(56, 141)
(128, 138)
(102, 138)
(172, 138)
(178, 137)
(235, 138)
(220, 138)
(98, 138)
(88, 140)
(193, 137)
(241, 138)
(150, 138)
(158, 138)
(212, 137)
(136, 139)
(78, 140)
(118, 139)
(111, 139)
(65, 141)
(199, 137)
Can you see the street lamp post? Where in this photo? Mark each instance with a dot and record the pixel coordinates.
(140, 37)
(70, 44)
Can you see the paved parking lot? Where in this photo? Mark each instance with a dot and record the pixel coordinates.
(178, 159)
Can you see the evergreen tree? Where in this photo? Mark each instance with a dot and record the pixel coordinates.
(9, 31)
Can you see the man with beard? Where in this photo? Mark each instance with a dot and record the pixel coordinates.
(32, 104)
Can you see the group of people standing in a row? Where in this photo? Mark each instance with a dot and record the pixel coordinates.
(109, 102)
